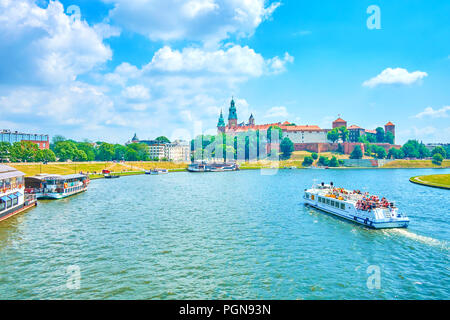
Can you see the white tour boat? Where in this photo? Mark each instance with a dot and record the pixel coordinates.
(358, 207)
(55, 186)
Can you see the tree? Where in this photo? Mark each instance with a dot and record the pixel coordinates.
(80, 155)
(162, 139)
(287, 147)
(131, 155)
(333, 135)
(437, 159)
(343, 133)
(105, 152)
(45, 155)
(314, 155)
(389, 138)
(439, 150)
(65, 150)
(395, 154)
(88, 149)
(333, 162)
(307, 161)
(380, 134)
(380, 152)
(323, 161)
(24, 151)
(272, 133)
(356, 153)
(423, 151)
(4, 151)
(411, 149)
(120, 152)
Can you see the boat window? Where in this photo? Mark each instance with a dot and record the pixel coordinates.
(336, 204)
(307, 196)
(2, 205)
(343, 206)
(328, 201)
(15, 201)
(332, 202)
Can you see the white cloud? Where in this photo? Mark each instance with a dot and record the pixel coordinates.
(395, 76)
(277, 112)
(430, 112)
(45, 46)
(235, 60)
(136, 93)
(199, 20)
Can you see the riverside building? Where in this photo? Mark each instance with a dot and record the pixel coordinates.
(42, 140)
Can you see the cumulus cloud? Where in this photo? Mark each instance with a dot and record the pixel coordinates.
(198, 20)
(395, 76)
(136, 93)
(277, 112)
(430, 112)
(45, 46)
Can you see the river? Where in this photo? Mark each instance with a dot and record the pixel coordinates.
(233, 235)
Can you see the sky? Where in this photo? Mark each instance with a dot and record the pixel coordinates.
(103, 70)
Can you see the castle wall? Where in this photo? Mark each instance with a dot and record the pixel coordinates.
(306, 136)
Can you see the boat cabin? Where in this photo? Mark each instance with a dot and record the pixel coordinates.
(54, 183)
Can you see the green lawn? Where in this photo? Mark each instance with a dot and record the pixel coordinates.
(416, 164)
(434, 180)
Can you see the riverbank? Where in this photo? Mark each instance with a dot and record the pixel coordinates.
(436, 181)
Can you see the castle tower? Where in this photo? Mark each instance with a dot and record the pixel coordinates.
(232, 115)
(390, 127)
(339, 122)
(251, 120)
(221, 124)
(135, 139)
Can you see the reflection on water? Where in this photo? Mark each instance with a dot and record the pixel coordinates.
(226, 235)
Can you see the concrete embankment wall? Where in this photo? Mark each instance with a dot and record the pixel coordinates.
(367, 163)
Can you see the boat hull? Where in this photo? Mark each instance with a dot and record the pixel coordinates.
(380, 224)
(16, 210)
(52, 196)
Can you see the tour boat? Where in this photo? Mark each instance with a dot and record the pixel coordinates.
(358, 207)
(111, 176)
(157, 171)
(13, 198)
(54, 186)
(212, 167)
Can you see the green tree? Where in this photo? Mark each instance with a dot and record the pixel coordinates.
(65, 150)
(439, 150)
(45, 155)
(343, 133)
(88, 149)
(395, 154)
(80, 155)
(356, 153)
(162, 139)
(272, 133)
(380, 134)
(314, 155)
(24, 151)
(105, 152)
(120, 152)
(333, 135)
(411, 149)
(389, 138)
(4, 151)
(333, 162)
(423, 151)
(323, 161)
(131, 155)
(437, 159)
(380, 152)
(286, 147)
(307, 161)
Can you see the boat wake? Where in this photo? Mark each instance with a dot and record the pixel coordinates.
(423, 239)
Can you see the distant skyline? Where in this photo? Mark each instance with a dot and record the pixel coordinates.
(106, 69)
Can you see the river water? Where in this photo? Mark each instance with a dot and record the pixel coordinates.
(234, 235)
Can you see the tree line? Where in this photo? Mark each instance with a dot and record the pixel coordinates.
(62, 149)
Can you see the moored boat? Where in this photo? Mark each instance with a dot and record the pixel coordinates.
(362, 208)
(13, 199)
(157, 171)
(212, 167)
(55, 186)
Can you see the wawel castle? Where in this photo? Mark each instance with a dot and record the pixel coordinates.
(305, 137)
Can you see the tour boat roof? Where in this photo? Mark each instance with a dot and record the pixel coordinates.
(7, 172)
(45, 176)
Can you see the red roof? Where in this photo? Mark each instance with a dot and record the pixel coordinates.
(371, 131)
(268, 125)
(286, 122)
(339, 120)
(389, 124)
(354, 127)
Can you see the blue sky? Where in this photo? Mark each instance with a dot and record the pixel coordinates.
(168, 67)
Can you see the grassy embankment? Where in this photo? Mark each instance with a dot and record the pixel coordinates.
(95, 168)
(435, 180)
(413, 164)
